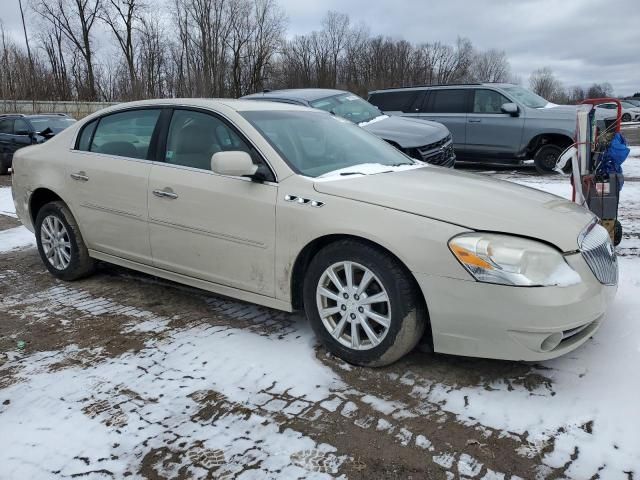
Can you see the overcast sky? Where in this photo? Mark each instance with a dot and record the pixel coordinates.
(582, 41)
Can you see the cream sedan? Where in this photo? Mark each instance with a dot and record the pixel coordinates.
(294, 208)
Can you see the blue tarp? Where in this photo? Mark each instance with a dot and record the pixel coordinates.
(615, 155)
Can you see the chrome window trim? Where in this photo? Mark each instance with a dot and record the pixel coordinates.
(173, 106)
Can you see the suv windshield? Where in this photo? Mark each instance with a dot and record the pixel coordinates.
(314, 143)
(526, 97)
(349, 106)
(56, 124)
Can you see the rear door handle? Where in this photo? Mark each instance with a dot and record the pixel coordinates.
(475, 120)
(80, 176)
(166, 193)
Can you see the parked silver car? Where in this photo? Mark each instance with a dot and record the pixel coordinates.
(293, 208)
(420, 139)
(490, 122)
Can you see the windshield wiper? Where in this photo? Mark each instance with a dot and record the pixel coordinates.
(344, 174)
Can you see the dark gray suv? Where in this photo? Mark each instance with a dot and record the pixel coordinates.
(18, 130)
(490, 122)
(421, 139)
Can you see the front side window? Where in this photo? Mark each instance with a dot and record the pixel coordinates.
(314, 143)
(348, 106)
(488, 101)
(447, 101)
(125, 134)
(20, 127)
(194, 137)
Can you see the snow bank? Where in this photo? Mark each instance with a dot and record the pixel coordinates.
(6, 202)
(16, 239)
(112, 414)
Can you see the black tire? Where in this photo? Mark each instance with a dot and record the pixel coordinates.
(4, 165)
(80, 264)
(626, 117)
(408, 314)
(546, 157)
(617, 233)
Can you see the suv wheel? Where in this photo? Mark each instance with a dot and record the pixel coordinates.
(546, 157)
(60, 243)
(362, 304)
(4, 165)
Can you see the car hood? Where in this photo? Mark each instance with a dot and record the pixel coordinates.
(557, 112)
(471, 201)
(406, 132)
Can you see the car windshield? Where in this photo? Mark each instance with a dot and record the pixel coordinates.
(56, 124)
(627, 105)
(349, 106)
(314, 143)
(526, 97)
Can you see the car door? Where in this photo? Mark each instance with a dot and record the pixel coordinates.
(448, 106)
(212, 227)
(490, 131)
(6, 137)
(107, 173)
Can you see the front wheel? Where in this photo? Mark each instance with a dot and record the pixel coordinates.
(60, 243)
(546, 157)
(626, 117)
(362, 304)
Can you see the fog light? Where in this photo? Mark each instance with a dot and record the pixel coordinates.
(551, 342)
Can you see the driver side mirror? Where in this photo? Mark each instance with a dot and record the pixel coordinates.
(510, 108)
(233, 164)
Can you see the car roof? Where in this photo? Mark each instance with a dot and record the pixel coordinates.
(237, 105)
(448, 85)
(35, 115)
(306, 94)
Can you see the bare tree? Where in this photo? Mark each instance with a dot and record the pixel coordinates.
(75, 19)
(122, 17)
(490, 66)
(544, 83)
(600, 90)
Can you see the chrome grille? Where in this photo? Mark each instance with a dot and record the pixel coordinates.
(598, 252)
(436, 153)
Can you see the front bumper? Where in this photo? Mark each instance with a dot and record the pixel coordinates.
(512, 323)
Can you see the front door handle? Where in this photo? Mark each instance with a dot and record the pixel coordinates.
(166, 193)
(80, 176)
(475, 120)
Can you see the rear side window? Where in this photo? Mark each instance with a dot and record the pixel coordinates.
(488, 101)
(450, 100)
(84, 141)
(20, 127)
(126, 134)
(6, 126)
(400, 101)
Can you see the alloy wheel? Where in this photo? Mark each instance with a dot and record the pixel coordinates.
(353, 305)
(55, 242)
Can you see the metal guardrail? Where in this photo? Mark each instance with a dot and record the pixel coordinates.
(75, 109)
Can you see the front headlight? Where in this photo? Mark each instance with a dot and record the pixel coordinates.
(510, 260)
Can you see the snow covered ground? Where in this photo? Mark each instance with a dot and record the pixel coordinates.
(192, 385)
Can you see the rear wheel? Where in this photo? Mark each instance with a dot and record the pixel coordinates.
(546, 157)
(4, 165)
(60, 243)
(362, 304)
